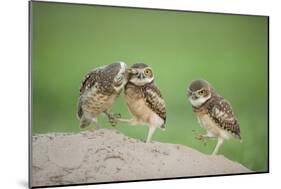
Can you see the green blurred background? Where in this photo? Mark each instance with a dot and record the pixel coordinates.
(230, 51)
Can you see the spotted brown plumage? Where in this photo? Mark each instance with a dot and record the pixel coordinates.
(222, 114)
(154, 100)
(104, 75)
(214, 113)
(99, 90)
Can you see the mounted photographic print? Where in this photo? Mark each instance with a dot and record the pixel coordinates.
(120, 94)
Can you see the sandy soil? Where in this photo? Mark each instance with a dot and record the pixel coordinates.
(106, 155)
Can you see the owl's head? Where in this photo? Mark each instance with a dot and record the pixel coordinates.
(198, 92)
(120, 78)
(140, 74)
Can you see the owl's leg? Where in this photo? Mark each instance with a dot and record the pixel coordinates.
(209, 135)
(95, 121)
(130, 121)
(151, 130)
(220, 141)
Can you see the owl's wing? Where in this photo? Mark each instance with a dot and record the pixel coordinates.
(155, 101)
(221, 112)
(88, 81)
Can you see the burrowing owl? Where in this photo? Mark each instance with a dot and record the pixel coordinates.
(214, 113)
(144, 99)
(99, 90)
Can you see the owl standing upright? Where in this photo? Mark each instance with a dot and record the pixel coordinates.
(214, 113)
(144, 99)
(99, 90)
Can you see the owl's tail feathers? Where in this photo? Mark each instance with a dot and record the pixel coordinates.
(163, 128)
(240, 138)
(84, 122)
(80, 113)
(80, 110)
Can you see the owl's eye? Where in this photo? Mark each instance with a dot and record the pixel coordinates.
(148, 72)
(203, 92)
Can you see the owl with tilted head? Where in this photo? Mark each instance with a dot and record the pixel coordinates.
(98, 92)
(144, 99)
(214, 113)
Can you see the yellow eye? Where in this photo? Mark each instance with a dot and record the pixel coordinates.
(148, 72)
(203, 92)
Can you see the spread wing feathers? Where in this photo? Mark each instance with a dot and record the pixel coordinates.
(155, 101)
(221, 112)
(88, 81)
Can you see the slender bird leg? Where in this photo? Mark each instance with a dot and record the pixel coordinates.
(115, 118)
(95, 121)
(151, 130)
(208, 135)
(131, 121)
(220, 141)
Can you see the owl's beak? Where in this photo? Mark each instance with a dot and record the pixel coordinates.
(140, 76)
(194, 96)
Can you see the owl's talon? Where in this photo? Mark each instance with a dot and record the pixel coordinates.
(199, 137)
(113, 123)
(113, 120)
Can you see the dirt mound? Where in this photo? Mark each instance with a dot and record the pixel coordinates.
(106, 155)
